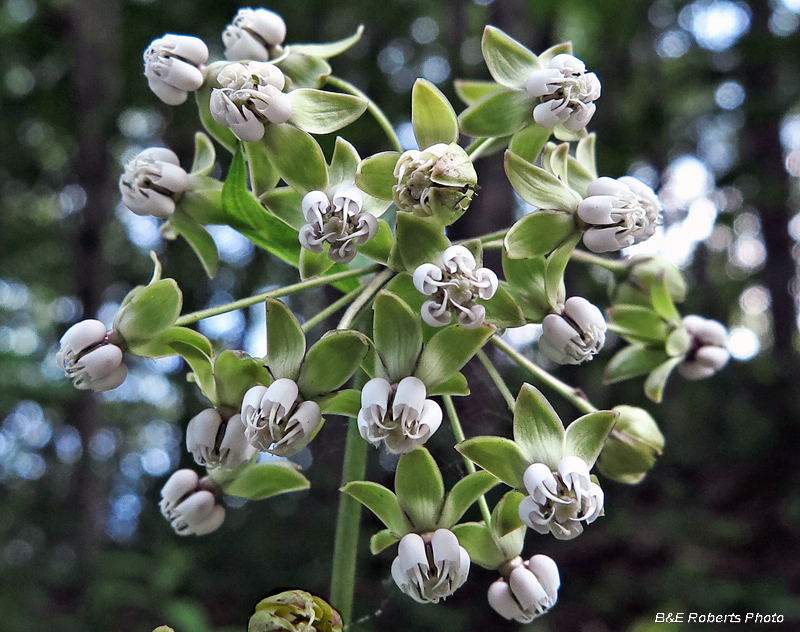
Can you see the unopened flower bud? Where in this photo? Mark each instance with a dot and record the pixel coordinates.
(216, 442)
(575, 335)
(151, 182)
(567, 91)
(430, 567)
(707, 353)
(632, 447)
(253, 34)
(172, 67)
(89, 359)
(529, 592)
(295, 611)
(189, 505)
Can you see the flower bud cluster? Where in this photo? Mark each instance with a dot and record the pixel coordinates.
(275, 421)
(90, 359)
(340, 222)
(455, 288)
(249, 97)
(619, 212)
(567, 91)
(216, 442)
(398, 415)
(575, 335)
(151, 182)
(254, 34)
(529, 591)
(190, 504)
(172, 67)
(708, 354)
(431, 566)
(559, 501)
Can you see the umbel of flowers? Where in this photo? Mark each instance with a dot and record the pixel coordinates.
(415, 309)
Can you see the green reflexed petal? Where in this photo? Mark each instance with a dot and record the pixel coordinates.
(286, 342)
(205, 156)
(397, 332)
(500, 113)
(632, 361)
(463, 495)
(657, 380)
(375, 174)
(343, 164)
(470, 91)
(264, 480)
(323, 112)
(382, 502)
(297, 157)
(505, 515)
(331, 361)
(419, 488)
(433, 118)
(538, 187)
(499, 456)
(330, 49)
(538, 430)
(479, 542)
(235, 372)
(199, 239)
(509, 62)
(448, 351)
(538, 233)
(587, 435)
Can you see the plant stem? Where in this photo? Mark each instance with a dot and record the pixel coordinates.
(496, 378)
(376, 112)
(615, 266)
(284, 291)
(574, 395)
(476, 149)
(458, 431)
(620, 331)
(343, 575)
(333, 308)
(489, 237)
(493, 245)
(370, 290)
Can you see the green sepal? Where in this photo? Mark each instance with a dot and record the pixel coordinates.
(641, 324)
(205, 156)
(297, 157)
(538, 430)
(433, 118)
(538, 233)
(223, 135)
(538, 187)
(509, 62)
(382, 540)
(303, 70)
(397, 333)
(420, 489)
(502, 310)
(346, 402)
(505, 515)
(500, 113)
(470, 91)
(632, 361)
(286, 341)
(331, 361)
(419, 240)
(528, 142)
(198, 238)
(263, 480)
(456, 385)
(151, 310)
(375, 174)
(330, 49)
(448, 351)
(235, 372)
(463, 495)
(322, 112)
(480, 543)
(500, 456)
(657, 380)
(383, 503)
(587, 435)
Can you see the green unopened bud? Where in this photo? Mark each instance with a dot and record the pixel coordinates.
(632, 446)
(163, 628)
(643, 271)
(294, 611)
(148, 311)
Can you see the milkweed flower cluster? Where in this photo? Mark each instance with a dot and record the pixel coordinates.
(455, 288)
(190, 504)
(430, 567)
(172, 65)
(560, 501)
(151, 182)
(575, 335)
(529, 591)
(254, 34)
(567, 91)
(708, 353)
(339, 222)
(89, 357)
(399, 415)
(215, 442)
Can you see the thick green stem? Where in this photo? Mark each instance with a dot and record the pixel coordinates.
(487, 238)
(370, 291)
(615, 266)
(497, 379)
(345, 553)
(284, 291)
(333, 308)
(574, 395)
(458, 431)
(376, 112)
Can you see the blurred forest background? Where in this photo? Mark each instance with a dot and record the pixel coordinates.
(700, 99)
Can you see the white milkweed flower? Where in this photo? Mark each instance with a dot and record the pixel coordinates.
(619, 212)
(90, 359)
(399, 415)
(172, 66)
(567, 91)
(151, 181)
(190, 504)
(253, 34)
(707, 354)
(249, 97)
(575, 335)
(530, 590)
(339, 221)
(216, 442)
(275, 421)
(559, 501)
(430, 567)
(455, 289)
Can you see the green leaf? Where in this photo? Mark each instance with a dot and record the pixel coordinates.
(375, 175)
(556, 264)
(538, 187)
(343, 164)
(382, 540)
(662, 301)
(323, 112)
(331, 362)
(419, 488)
(223, 135)
(538, 233)
(641, 323)
(203, 200)
(657, 380)
(464, 493)
(546, 56)
(397, 332)
(419, 240)
(205, 156)
(303, 70)
(235, 372)
(263, 176)
(297, 157)
(587, 435)
(199, 239)
(314, 263)
(585, 153)
(678, 342)
(500, 113)
(538, 430)
(379, 247)
(346, 403)
(286, 341)
(479, 542)
(263, 480)
(382, 502)
(502, 310)
(632, 361)
(456, 385)
(286, 204)
(448, 350)
(499, 456)
(528, 142)
(154, 309)
(470, 91)
(509, 62)
(433, 118)
(505, 515)
(330, 49)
